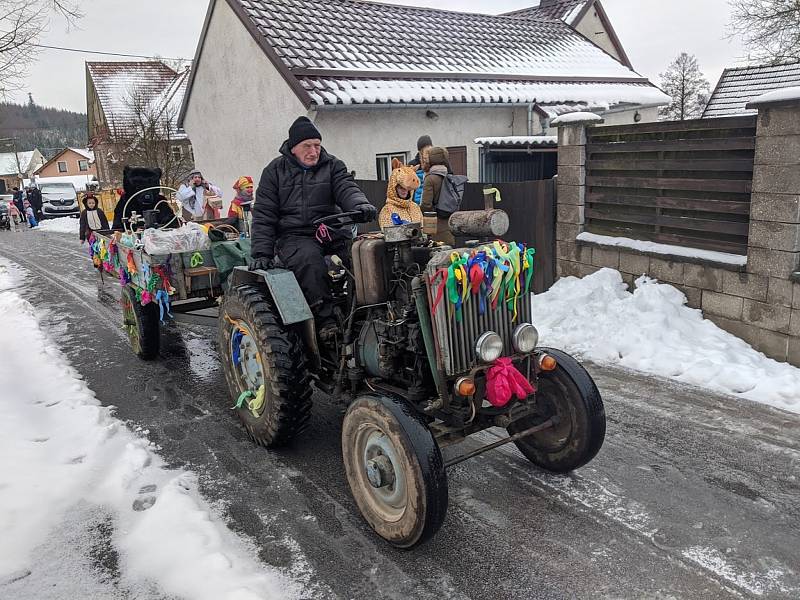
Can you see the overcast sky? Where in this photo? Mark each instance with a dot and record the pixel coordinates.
(653, 32)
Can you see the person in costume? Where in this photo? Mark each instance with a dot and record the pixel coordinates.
(243, 202)
(400, 205)
(194, 197)
(92, 218)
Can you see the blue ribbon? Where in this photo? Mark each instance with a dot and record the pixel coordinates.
(236, 344)
(162, 297)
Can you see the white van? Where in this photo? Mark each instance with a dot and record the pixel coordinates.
(59, 200)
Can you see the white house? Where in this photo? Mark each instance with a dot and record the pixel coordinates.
(374, 77)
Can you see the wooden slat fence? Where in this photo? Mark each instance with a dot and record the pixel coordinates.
(677, 182)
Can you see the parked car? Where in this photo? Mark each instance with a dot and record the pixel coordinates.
(59, 200)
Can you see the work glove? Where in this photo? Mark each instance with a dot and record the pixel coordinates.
(263, 263)
(368, 213)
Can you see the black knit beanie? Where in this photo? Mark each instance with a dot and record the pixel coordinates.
(302, 129)
(424, 141)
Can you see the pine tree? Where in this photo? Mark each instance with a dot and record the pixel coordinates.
(685, 84)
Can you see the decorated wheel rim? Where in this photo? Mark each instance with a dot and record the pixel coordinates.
(382, 473)
(130, 323)
(249, 369)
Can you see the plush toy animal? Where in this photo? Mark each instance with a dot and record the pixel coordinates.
(134, 180)
(403, 180)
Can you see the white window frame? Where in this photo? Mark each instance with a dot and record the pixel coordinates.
(65, 169)
(383, 163)
(83, 165)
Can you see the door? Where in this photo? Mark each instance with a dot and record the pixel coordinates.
(458, 159)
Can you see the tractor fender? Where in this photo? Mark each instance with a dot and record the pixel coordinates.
(283, 289)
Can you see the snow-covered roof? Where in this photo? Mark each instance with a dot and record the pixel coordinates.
(340, 52)
(582, 95)
(84, 152)
(562, 10)
(117, 82)
(8, 162)
(739, 86)
(550, 141)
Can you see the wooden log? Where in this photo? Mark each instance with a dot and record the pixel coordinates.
(479, 223)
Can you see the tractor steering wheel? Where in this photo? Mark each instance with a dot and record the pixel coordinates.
(343, 219)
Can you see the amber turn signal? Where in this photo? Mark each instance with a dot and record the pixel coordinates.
(465, 387)
(547, 362)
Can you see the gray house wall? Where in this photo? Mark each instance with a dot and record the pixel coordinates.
(240, 106)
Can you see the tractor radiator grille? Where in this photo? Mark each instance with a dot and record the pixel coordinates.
(455, 341)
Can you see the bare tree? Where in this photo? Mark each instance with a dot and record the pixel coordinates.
(21, 24)
(688, 88)
(150, 137)
(770, 28)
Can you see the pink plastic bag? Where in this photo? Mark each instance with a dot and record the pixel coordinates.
(503, 381)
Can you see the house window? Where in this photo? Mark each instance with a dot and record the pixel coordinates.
(62, 166)
(83, 165)
(177, 153)
(383, 163)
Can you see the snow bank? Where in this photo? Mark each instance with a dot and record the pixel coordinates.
(60, 449)
(60, 225)
(575, 117)
(651, 330)
(642, 246)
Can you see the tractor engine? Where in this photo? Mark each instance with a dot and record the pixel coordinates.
(390, 344)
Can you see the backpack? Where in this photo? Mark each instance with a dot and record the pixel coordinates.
(451, 195)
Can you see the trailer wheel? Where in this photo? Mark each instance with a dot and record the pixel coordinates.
(265, 367)
(570, 394)
(394, 469)
(142, 325)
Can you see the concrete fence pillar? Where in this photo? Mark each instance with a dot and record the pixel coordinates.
(773, 253)
(571, 193)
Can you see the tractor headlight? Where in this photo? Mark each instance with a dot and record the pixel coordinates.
(525, 338)
(489, 347)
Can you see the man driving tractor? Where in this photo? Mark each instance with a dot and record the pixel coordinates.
(296, 189)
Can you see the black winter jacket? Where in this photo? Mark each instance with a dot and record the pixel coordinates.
(290, 197)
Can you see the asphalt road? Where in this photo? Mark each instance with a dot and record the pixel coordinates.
(693, 495)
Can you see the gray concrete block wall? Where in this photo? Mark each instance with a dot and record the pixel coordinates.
(760, 302)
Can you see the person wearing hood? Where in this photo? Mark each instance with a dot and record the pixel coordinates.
(439, 160)
(193, 196)
(400, 198)
(300, 186)
(243, 202)
(92, 218)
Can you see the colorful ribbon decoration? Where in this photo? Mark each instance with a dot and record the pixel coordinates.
(497, 273)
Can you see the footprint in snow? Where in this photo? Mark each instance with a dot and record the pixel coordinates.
(146, 501)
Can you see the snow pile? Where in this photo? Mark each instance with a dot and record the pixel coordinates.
(651, 330)
(576, 117)
(642, 246)
(60, 225)
(781, 95)
(61, 450)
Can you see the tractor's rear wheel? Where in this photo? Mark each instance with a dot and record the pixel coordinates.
(265, 367)
(394, 469)
(569, 395)
(142, 325)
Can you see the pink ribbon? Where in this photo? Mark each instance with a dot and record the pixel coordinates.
(503, 381)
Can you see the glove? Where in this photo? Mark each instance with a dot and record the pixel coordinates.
(368, 212)
(263, 263)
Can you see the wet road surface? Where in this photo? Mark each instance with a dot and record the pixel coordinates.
(693, 495)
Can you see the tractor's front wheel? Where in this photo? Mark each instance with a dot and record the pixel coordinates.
(569, 396)
(265, 367)
(394, 469)
(142, 325)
